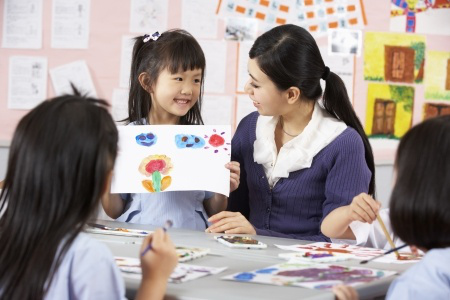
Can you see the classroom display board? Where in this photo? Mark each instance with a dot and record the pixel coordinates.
(394, 56)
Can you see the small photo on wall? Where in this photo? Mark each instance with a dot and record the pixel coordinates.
(344, 42)
(241, 29)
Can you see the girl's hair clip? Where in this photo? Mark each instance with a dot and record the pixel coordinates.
(154, 37)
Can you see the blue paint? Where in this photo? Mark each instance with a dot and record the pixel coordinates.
(244, 276)
(146, 139)
(189, 141)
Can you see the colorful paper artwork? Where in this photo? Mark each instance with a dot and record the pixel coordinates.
(420, 16)
(102, 229)
(317, 16)
(354, 252)
(182, 273)
(431, 110)
(314, 276)
(188, 253)
(315, 256)
(389, 110)
(437, 80)
(160, 158)
(394, 57)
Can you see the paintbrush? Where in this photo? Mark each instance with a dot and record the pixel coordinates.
(166, 226)
(386, 233)
(385, 253)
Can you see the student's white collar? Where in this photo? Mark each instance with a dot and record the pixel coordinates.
(299, 152)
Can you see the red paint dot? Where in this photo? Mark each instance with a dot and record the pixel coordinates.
(155, 165)
(216, 140)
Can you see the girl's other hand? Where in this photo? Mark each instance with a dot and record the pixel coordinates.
(230, 222)
(344, 292)
(158, 263)
(235, 174)
(363, 208)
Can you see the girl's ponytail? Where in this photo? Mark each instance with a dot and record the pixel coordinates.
(336, 102)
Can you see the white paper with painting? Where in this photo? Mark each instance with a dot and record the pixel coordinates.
(158, 158)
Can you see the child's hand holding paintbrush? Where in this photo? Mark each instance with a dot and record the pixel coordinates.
(158, 256)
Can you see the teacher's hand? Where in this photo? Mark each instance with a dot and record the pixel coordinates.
(230, 222)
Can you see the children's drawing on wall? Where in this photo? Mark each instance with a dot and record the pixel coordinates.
(437, 80)
(420, 16)
(431, 110)
(308, 275)
(160, 158)
(389, 110)
(344, 42)
(394, 57)
(240, 29)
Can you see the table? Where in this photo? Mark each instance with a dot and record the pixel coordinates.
(237, 260)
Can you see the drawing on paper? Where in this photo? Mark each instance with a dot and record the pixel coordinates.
(437, 81)
(189, 141)
(389, 110)
(394, 57)
(146, 139)
(431, 110)
(316, 256)
(430, 11)
(155, 166)
(315, 276)
(216, 141)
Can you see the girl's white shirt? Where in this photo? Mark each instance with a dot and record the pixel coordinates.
(299, 152)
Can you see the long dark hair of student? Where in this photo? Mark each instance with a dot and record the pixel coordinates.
(420, 200)
(175, 50)
(289, 56)
(60, 157)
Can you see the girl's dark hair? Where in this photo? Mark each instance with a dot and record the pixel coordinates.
(420, 200)
(58, 167)
(289, 56)
(175, 50)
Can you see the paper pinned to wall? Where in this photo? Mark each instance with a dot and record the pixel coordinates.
(27, 85)
(22, 24)
(70, 24)
(76, 73)
(148, 16)
(437, 81)
(119, 107)
(242, 76)
(199, 18)
(244, 107)
(216, 63)
(125, 60)
(217, 110)
(161, 158)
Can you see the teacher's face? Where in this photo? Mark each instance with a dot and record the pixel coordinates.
(266, 97)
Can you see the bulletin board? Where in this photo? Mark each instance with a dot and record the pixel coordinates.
(396, 77)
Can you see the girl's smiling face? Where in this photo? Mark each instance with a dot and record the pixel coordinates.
(267, 98)
(173, 95)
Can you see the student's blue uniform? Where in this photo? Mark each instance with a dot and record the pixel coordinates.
(429, 279)
(87, 271)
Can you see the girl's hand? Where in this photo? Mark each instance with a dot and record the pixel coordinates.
(230, 222)
(344, 292)
(363, 208)
(235, 174)
(158, 263)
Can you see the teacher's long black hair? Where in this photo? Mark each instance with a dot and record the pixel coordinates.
(60, 158)
(289, 56)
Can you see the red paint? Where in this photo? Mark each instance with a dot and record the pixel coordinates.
(216, 140)
(155, 165)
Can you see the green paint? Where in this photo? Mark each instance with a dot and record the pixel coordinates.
(156, 177)
(403, 95)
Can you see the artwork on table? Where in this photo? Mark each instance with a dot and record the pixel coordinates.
(309, 275)
(237, 241)
(437, 80)
(189, 253)
(355, 252)
(420, 16)
(389, 110)
(394, 57)
(182, 273)
(102, 229)
(153, 159)
(315, 256)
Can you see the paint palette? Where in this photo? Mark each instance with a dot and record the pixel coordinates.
(101, 229)
(235, 241)
(187, 254)
(315, 256)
